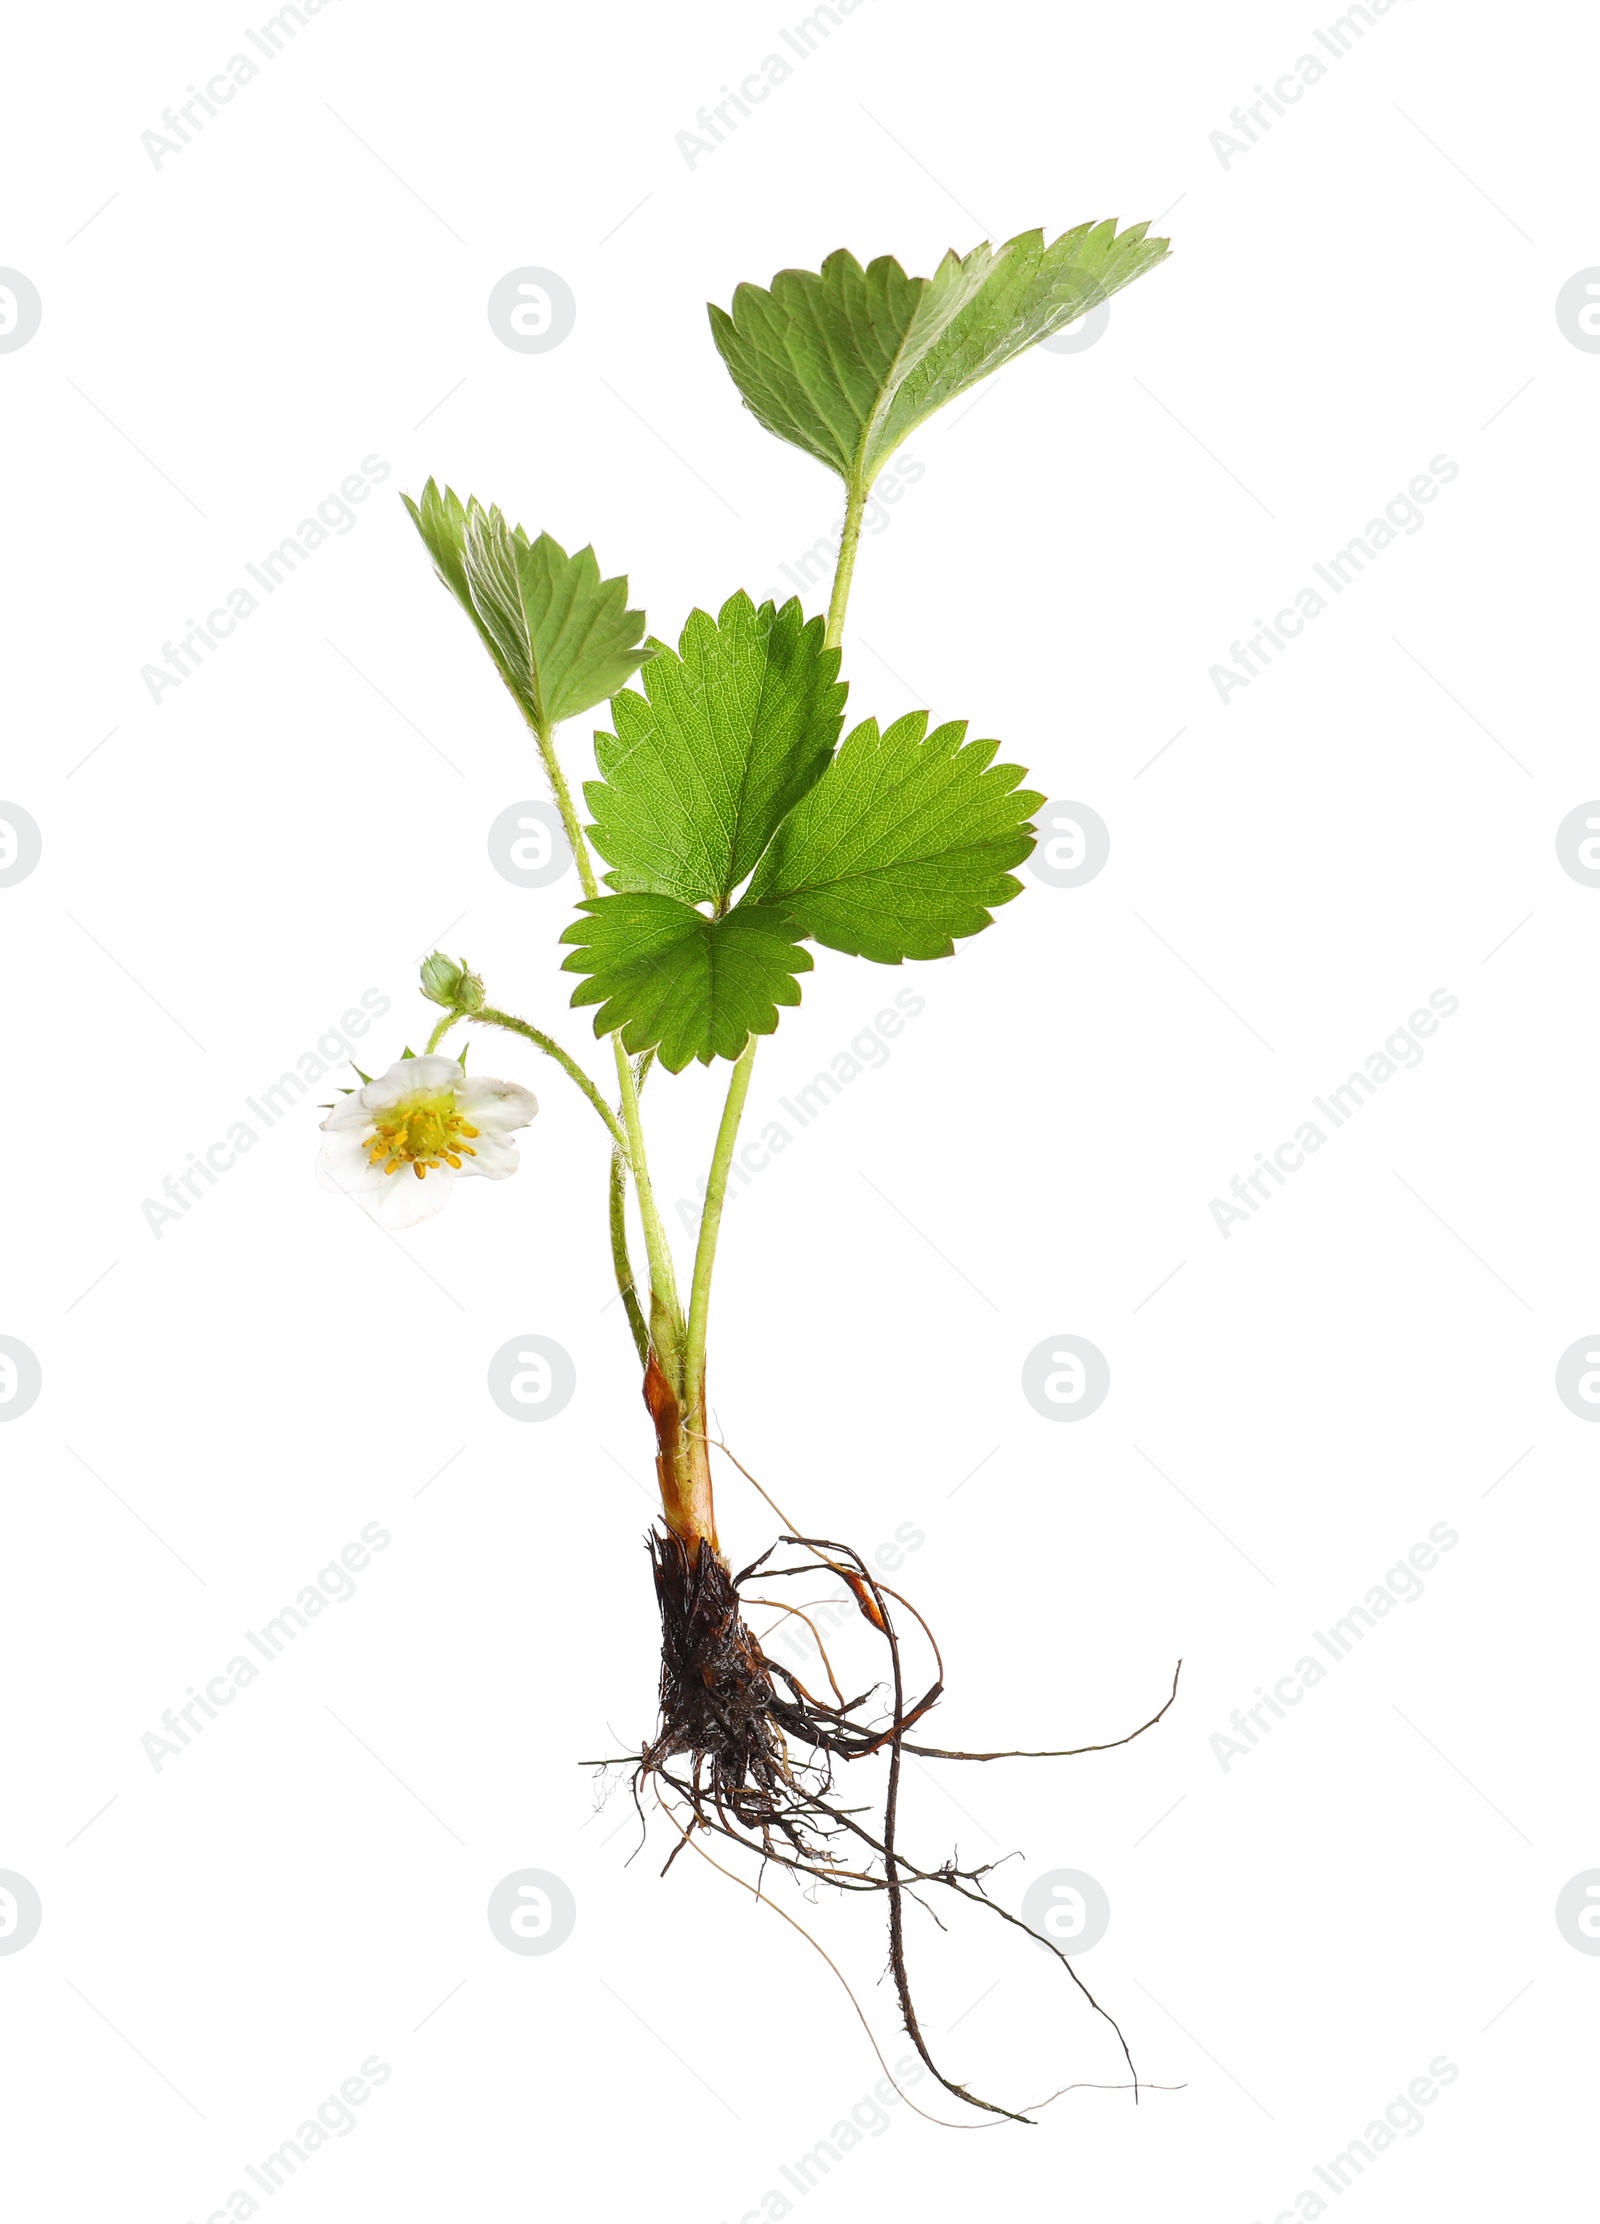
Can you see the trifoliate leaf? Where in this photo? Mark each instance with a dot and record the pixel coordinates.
(902, 845)
(562, 638)
(729, 733)
(846, 362)
(671, 979)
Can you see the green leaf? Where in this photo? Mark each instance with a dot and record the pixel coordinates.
(846, 362)
(729, 733)
(817, 356)
(675, 981)
(562, 638)
(903, 844)
(441, 519)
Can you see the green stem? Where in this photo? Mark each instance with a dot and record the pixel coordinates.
(622, 1262)
(663, 1279)
(694, 1350)
(666, 1323)
(489, 1017)
(440, 1032)
(545, 736)
(844, 568)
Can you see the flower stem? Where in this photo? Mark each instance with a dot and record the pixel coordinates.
(666, 1313)
(440, 1032)
(622, 1262)
(489, 1017)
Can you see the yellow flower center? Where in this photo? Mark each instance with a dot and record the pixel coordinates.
(420, 1131)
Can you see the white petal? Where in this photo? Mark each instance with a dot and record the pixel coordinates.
(495, 1104)
(349, 1112)
(342, 1161)
(398, 1200)
(409, 1077)
(497, 1155)
(404, 1200)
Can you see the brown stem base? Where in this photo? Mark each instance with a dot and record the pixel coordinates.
(683, 1462)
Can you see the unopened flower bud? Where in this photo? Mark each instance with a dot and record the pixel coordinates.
(449, 983)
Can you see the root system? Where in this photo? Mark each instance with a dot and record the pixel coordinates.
(745, 1751)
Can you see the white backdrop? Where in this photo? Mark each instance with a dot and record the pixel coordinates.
(1319, 1916)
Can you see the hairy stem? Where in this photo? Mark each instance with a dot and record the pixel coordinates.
(694, 1349)
(489, 1017)
(440, 1032)
(622, 1262)
(844, 568)
(666, 1314)
(739, 1086)
(683, 1461)
(666, 1317)
(545, 735)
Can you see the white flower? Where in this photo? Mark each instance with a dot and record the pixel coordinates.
(397, 1145)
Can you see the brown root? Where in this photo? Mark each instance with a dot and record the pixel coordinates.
(745, 1751)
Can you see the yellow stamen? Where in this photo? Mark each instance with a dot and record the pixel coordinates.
(421, 1131)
